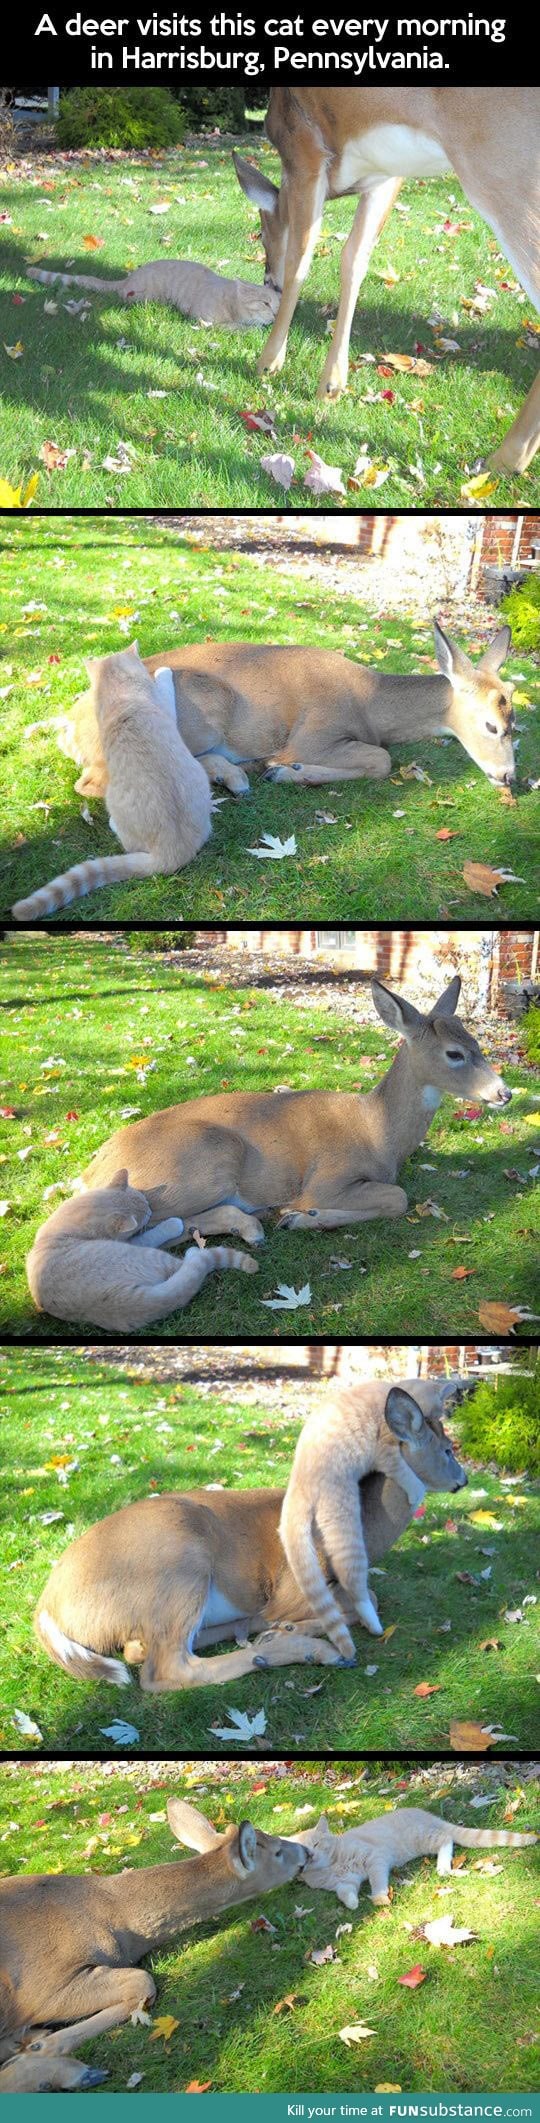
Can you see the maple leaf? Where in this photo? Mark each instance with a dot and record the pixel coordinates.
(468, 1737)
(413, 1978)
(164, 2028)
(280, 468)
(482, 878)
(441, 1932)
(428, 1688)
(356, 2033)
(93, 243)
(198, 2086)
(500, 1318)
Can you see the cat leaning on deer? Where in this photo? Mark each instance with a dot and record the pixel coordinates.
(312, 715)
(71, 1944)
(157, 793)
(164, 1577)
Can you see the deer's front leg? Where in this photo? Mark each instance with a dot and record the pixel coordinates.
(307, 195)
(520, 444)
(356, 1204)
(369, 219)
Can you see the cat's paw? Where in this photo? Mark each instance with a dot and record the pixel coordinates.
(367, 1614)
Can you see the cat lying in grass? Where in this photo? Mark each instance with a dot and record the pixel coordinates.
(339, 1864)
(194, 289)
(95, 1260)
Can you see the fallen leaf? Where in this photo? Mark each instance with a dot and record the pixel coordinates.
(407, 363)
(460, 1275)
(263, 420)
(26, 1726)
(262, 1924)
(479, 487)
(491, 1643)
(164, 2027)
(243, 1726)
(426, 1688)
(485, 1518)
(198, 2086)
(357, 2033)
(323, 478)
(445, 833)
(287, 1299)
(319, 1954)
(279, 468)
(414, 1977)
(274, 849)
(93, 243)
(481, 878)
(468, 1737)
(287, 2004)
(122, 1734)
(442, 1933)
(16, 351)
(501, 1319)
(54, 459)
(386, 2088)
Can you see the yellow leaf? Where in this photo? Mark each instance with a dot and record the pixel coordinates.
(164, 2028)
(485, 1518)
(16, 351)
(467, 1737)
(388, 1632)
(387, 2088)
(123, 611)
(479, 488)
(59, 1459)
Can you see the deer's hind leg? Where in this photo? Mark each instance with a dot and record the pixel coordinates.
(105, 1996)
(310, 758)
(359, 1203)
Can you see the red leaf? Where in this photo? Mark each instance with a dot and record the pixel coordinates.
(426, 1688)
(72, 1116)
(198, 2086)
(389, 396)
(53, 659)
(420, 1513)
(445, 833)
(7, 1113)
(414, 1977)
(472, 1112)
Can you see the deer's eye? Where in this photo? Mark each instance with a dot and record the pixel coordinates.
(492, 727)
(454, 1054)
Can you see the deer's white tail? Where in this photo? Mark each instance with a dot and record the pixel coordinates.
(84, 877)
(304, 1562)
(488, 1838)
(104, 287)
(76, 1659)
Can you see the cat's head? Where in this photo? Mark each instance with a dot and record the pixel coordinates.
(121, 663)
(116, 1211)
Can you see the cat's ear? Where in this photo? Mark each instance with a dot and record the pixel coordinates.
(134, 649)
(125, 1226)
(92, 664)
(322, 1830)
(403, 1414)
(120, 1178)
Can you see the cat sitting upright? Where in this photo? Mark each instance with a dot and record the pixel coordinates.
(339, 1864)
(362, 1430)
(95, 1260)
(158, 796)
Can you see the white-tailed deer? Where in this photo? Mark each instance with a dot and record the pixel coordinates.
(312, 715)
(324, 1158)
(337, 141)
(71, 1943)
(164, 1578)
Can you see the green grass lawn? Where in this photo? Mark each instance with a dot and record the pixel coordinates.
(470, 2024)
(133, 1435)
(173, 393)
(102, 1031)
(354, 857)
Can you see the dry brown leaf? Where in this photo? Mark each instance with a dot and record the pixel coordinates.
(491, 1643)
(426, 1688)
(445, 833)
(93, 243)
(468, 1737)
(482, 878)
(460, 1275)
(409, 363)
(499, 1318)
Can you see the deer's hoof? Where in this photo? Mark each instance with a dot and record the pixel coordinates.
(346, 1662)
(92, 2078)
(258, 1661)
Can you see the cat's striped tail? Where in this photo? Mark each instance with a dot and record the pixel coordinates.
(104, 287)
(488, 1838)
(84, 877)
(302, 1557)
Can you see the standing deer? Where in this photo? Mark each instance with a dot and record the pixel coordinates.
(324, 1158)
(71, 1944)
(335, 141)
(164, 1578)
(312, 715)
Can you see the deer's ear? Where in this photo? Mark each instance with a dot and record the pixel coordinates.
(244, 1849)
(453, 662)
(394, 1011)
(120, 1178)
(496, 651)
(191, 1827)
(402, 1414)
(447, 1003)
(256, 186)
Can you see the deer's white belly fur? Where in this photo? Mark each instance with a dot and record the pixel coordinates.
(217, 1608)
(389, 151)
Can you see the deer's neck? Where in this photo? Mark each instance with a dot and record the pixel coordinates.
(401, 1111)
(155, 1902)
(404, 707)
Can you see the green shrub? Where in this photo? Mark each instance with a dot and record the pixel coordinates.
(207, 107)
(522, 610)
(502, 1423)
(119, 117)
(531, 1034)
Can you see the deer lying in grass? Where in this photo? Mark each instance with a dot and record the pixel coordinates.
(324, 1158)
(71, 1943)
(337, 141)
(312, 715)
(167, 1576)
